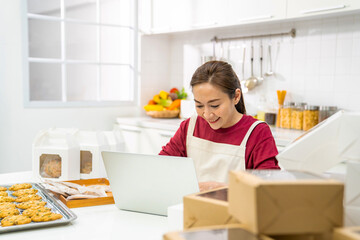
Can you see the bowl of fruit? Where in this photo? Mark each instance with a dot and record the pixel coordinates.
(165, 104)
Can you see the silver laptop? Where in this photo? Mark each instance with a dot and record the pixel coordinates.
(149, 183)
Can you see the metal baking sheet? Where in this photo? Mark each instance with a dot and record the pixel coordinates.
(55, 205)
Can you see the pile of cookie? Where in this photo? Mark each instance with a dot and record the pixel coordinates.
(25, 208)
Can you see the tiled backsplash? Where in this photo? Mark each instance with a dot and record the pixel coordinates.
(320, 66)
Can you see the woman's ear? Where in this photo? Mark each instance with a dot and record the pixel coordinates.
(237, 96)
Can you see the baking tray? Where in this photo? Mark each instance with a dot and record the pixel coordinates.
(56, 206)
(75, 203)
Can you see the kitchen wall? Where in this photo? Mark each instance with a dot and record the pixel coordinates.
(319, 66)
(20, 125)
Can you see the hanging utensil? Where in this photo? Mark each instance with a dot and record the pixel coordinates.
(243, 80)
(270, 71)
(261, 77)
(252, 80)
(222, 58)
(214, 48)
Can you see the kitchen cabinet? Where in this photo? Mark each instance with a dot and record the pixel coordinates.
(168, 16)
(188, 15)
(147, 135)
(306, 8)
(241, 12)
(209, 13)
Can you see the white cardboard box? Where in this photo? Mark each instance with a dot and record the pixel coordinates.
(56, 154)
(352, 216)
(92, 143)
(176, 217)
(352, 184)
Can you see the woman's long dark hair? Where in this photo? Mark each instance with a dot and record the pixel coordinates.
(220, 74)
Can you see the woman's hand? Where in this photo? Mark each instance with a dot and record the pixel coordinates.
(204, 186)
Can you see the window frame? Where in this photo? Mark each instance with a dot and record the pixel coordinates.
(133, 64)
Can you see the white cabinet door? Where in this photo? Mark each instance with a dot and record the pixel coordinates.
(309, 7)
(170, 16)
(132, 136)
(245, 11)
(209, 13)
(144, 140)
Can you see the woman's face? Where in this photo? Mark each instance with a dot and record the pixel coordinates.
(215, 106)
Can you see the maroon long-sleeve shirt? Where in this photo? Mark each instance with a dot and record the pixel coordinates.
(260, 149)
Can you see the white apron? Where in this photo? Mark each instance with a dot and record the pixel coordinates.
(213, 160)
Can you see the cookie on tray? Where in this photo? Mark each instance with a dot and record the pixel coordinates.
(3, 189)
(27, 198)
(7, 204)
(6, 199)
(29, 204)
(19, 186)
(23, 192)
(3, 194)
(36, 211)
(10, 211)
(15, 220)
(45, 217)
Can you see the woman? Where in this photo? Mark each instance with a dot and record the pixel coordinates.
(221, 137)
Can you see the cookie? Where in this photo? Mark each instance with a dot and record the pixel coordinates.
(7, 199)
(10, 211)
(23, 192)
(15, 220)
(45, 217)
(36, 211)
(29, 204)
(27, 198)
(7, 204)
(3, 188)
(19, 186)
(51, 168)
(3, 194)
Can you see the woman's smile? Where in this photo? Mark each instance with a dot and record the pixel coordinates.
(212, 121)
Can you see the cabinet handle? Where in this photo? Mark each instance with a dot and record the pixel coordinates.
(130, 130)
(322, 9)
(204, 25)
(255, 18)
(166, 135)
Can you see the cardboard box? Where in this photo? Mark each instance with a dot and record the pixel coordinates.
(175, 217)
(352, 216)
(348, 233)
(230, 232)
(207, 209)
(56, 154)
(92, 143)
(275, 202)
(318, 236)
(352, 187)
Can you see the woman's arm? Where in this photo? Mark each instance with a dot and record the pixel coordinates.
(177, 144)
(261, 149)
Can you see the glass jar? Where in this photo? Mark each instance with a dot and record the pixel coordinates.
(297, 116)
(270, 118)
(326, 111)
(285, 115)
(311, 117)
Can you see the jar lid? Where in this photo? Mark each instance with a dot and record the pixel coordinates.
(289, 104)
(300, 104)
(328, 108)
(311, 107)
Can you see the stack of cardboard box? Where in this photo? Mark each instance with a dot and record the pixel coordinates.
(349, 233)
(267, 203)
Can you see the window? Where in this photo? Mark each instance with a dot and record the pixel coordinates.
(81, 53)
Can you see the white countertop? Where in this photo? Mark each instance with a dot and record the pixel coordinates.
(99, 222)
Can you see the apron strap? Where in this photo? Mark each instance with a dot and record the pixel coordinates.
(191, 127)
(244, 141)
